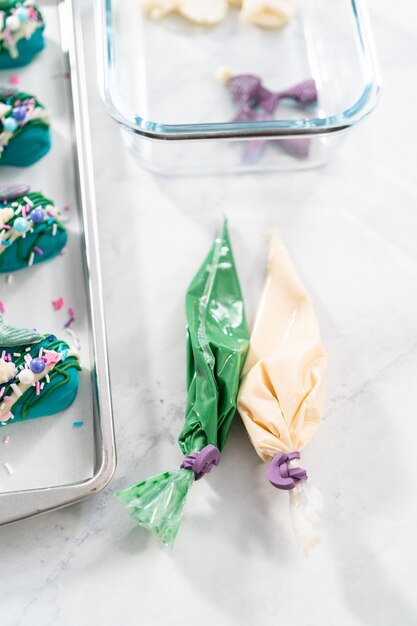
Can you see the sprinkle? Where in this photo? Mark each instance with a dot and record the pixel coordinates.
(16, 390)
(38, 250)
(54, 229)
(71, 312)
(14, 80)
(8, 468)
(7, 439)
(31, 259)
(70, 321)
(58, 304)
(63, 251)
(38, 388)
(2, 307)
(66, 207)
(78, 424)
(28, 201)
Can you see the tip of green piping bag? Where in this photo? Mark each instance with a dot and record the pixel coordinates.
(157, 503)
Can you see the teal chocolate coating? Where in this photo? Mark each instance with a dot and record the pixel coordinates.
(57, 395)
(27, 50)
(16, 256)
(33, 142)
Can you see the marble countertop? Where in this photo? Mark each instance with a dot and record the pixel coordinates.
(351, 228)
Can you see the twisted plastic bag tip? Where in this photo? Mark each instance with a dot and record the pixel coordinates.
(157, 503)
(306, 505)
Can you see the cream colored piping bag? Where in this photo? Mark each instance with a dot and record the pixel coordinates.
(281, 393)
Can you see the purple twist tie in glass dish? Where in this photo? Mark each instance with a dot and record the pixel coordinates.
(202, 462)
(257, 104)
(280, 475)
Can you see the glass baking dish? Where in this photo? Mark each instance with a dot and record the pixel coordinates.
(158, 81)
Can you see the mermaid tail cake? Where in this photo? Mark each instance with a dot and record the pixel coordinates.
(24, 128)
(21, 33)
(30, 228)
(38, 374)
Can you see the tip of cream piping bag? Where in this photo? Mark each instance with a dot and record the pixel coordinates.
(274, 240)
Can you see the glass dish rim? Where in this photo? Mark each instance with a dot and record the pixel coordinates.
(240, 130)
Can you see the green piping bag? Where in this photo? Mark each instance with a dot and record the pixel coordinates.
(217, 344)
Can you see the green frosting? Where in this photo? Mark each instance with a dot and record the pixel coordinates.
(217, 344)
(12, 336)
(18, 254)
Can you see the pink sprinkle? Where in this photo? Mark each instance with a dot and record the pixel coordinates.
(14, 80)
(7, 439)
(58, 304)
(38, 250)
(66, 208)
(38, 388)
(2, 307)
(71, 312)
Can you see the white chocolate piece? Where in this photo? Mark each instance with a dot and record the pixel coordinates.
(157, 9)
(224, 74)
(7, 371)
(4, 109)
(5, 216)
(201, 12)
(267, 13)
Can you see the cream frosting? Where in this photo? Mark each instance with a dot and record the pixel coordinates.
(281, 394)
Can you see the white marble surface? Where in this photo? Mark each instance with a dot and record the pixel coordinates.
(351, 228)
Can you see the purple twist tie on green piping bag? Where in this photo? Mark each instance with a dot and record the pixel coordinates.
(217, 343)
(201, 463)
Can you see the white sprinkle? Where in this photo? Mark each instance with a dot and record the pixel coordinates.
(8, 468)
(16, 390)
(31, 259)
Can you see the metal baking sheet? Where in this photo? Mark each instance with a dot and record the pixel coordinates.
(48, 462)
